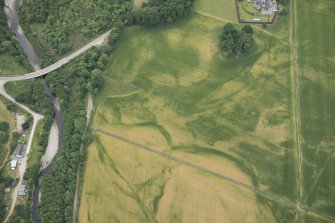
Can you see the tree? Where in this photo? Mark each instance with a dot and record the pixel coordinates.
(247, 42)
(247, 29)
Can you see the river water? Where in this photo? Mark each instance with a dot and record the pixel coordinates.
(13, 23)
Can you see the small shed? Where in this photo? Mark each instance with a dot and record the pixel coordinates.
(22, 191)
(13, 164)
(20, 150)
(25, 126)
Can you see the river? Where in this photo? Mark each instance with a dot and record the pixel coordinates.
(57, 131)
(13, 23)
(58, 122)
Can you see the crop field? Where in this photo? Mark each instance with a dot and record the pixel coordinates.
(316, 54)
(140, 187)
(8, 117)
(228, 116)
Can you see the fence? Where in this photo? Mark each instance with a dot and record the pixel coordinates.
(252, 22)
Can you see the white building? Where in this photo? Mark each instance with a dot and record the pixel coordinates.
(13, 164)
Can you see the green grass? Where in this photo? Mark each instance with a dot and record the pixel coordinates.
(36, 150)
(9, 67)
(316, 53)
(224, 9)
(235, 106)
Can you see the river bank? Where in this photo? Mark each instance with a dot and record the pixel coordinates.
(13, 23)
(56, 132)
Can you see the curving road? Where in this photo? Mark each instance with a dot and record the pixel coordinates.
(98, 41)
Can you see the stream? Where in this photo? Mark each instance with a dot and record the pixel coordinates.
(57, 130)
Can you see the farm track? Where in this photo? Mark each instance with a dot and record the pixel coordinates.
(267, 195)
(295, 88)
(227, 20)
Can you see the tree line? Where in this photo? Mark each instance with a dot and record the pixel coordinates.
(160, 11)
(5, 181)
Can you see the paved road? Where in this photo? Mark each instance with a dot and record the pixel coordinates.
(65, 60)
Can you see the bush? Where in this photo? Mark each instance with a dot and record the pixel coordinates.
(4, 126)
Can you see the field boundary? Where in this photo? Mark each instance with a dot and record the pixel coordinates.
(295, 104)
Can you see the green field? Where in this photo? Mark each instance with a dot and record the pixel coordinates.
(9, 67)
(316, 54)
(223, 9)
(177, 93)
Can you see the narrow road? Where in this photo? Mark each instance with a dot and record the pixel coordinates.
(98, 41)
(295, 88)
(22, 168)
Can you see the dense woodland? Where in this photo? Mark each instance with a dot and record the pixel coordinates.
(236, 42)
(160, 11)
(9, 45)
(63, 20)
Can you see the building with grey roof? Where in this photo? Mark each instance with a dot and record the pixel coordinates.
(20, 150)
(267, 7)
(22, 191)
